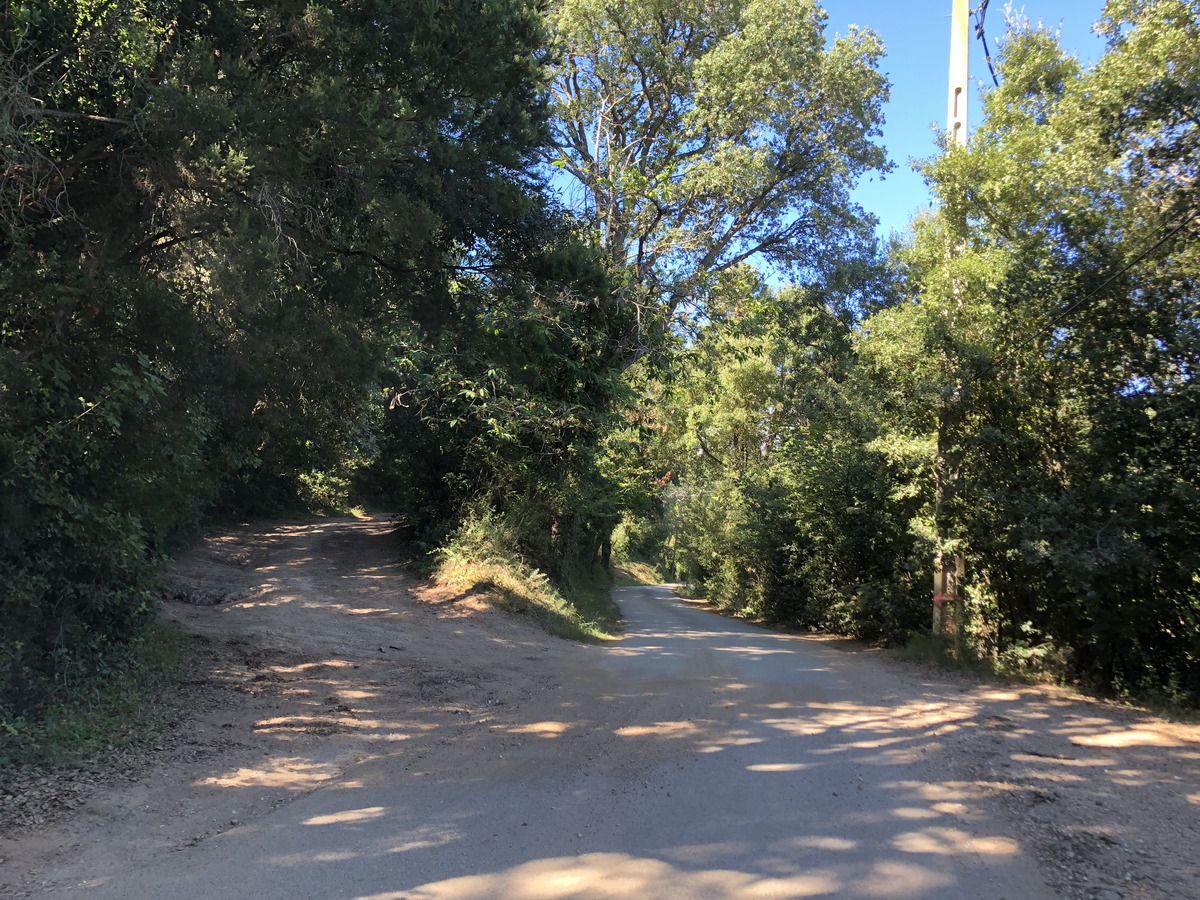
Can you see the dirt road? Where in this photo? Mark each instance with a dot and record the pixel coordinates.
(352, 733)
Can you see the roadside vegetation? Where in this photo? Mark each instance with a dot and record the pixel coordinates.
(261, 256)
(110, 704)
(480, 556)
(1011, 383)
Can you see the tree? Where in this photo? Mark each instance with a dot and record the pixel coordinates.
(1074, 217)
(784, 507)
(211, 216)
(702, 135)
(1042, 354)
(508, 407)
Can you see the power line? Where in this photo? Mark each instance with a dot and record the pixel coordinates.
(979, 15)
(1058, 318)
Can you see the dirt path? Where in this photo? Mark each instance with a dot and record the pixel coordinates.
(318, 651)
(323, 658)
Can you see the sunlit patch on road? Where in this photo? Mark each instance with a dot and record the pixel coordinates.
(350, 815)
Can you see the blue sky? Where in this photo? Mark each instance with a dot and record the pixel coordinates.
(917, 35)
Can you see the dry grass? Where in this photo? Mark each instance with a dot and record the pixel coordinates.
(633, 571)
(479, 557)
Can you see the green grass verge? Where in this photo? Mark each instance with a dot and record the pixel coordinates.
(595, 604)
(1042, 664)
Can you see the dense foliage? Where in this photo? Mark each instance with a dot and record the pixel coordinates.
(1038, 348)
(506, 411)
(213, 214)
(255, 253)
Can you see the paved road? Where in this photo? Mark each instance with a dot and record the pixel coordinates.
(699, 757)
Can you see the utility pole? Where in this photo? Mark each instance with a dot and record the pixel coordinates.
(949, 568)
(956, 112)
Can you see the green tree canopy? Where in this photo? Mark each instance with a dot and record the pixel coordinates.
(701, 135)
(212, 215)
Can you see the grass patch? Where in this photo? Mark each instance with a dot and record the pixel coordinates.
(1041, 664)
(1169, 707)
(594, 603)
(111, 707)
(481, 555)
(632, 571)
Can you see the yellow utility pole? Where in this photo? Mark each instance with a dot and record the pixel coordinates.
(956, 112)
(949, 568)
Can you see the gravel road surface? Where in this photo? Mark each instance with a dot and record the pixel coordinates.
(723, 761)
(347, 730)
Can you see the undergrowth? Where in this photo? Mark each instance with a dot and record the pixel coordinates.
(941, 652)
(1037, 664)
(1040, 664)
(482, 555)
(635, 571)
(111, 706)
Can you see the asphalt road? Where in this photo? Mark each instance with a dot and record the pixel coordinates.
(698, 757)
